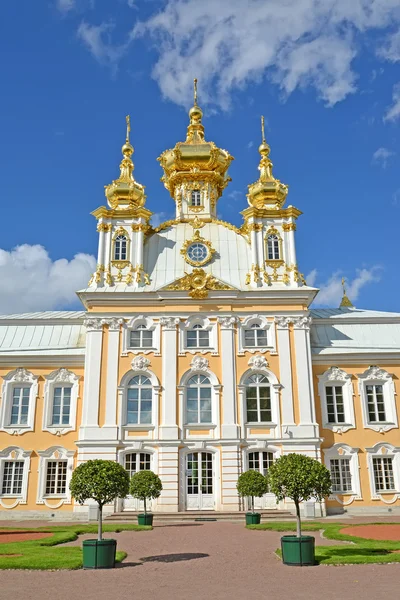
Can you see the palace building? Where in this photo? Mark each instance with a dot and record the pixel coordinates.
(196, 355)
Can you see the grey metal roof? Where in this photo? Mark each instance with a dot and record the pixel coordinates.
(48, 314)
(351, 313)
(41, 338)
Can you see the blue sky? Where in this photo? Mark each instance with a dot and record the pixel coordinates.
(325, 75)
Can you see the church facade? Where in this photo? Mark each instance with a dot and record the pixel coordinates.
(197, 355)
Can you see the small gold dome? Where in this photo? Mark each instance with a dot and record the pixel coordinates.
(196, 113)
(127, 149)
(264, 148)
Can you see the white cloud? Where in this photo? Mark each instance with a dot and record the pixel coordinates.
(31, 281)
(227, 44)
(381, 156)
(160, 217)
(331, 291)
(393, 112)
(391, 49)
(97, 38)
(65, 6)
(235, 195)
(250, 145)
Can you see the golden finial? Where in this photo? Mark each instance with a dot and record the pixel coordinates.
(128, 127)
(263, 129)
(195, 91)
(346, 302)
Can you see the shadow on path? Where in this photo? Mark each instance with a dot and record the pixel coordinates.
(167, 558)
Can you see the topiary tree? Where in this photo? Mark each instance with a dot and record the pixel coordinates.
(252, 483)
(101, 480)
(300, 478)
(145, 485)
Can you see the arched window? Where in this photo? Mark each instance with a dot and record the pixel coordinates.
(137, 461)
(196, 198)
(273, 247)
(139, 401)
(120, 247)
(197, 337)
(141, 337)
(258, 399)
(198, 400)
(255, 337)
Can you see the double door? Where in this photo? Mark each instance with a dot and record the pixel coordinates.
(199, 481)
(134, 462)
(261, 461)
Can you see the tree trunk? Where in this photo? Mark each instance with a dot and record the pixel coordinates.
(100, 524)
(144, 500)
(252, 503)
(298, 525)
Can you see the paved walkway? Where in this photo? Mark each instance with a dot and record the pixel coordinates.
(199, 561)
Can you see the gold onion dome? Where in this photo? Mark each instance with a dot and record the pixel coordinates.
(267, 192)
(346, 302)
(195, 158)
(125, 192)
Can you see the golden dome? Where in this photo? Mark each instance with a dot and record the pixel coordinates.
(195, 158)
(125, 192)
(267, 191)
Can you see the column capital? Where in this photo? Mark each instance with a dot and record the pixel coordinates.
(114, 323)
(169, 323)
(302, 322)
(227, 322)
(283, 322)
(93, 324)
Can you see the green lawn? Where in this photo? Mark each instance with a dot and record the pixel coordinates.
(358, 551)
(44, 553)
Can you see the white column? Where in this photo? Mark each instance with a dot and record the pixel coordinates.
(230, 468)
(260, 248)
(139, 247)
(112, 373)
(91, 393)
(285, 371)
(168, 471)
(230, 428)
(169, 428)
(100, 255)
(305, 388)
(253, 244)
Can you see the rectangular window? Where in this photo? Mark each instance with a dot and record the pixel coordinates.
(56, 477)
(141, 338)
(20, 406)
(12, 477)
(61, 406)
(341, 475)
(255, 338)
(198, 338)
(383, 474)
(334, 404)
(376, 404)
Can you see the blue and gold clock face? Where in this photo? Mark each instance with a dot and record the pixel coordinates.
(198, 253)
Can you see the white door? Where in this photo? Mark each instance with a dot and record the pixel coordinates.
(199, 481)
(261, 461)
(134, 462)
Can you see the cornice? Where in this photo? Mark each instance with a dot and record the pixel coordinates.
(131, 213)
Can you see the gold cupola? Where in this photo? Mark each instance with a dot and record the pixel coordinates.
(124, 193)
(195, 164)
(268, 192)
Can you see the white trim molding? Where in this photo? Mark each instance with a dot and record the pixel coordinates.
(206, 325)
(14, 454)
(343, 451)
(54, 453)
(60, 378)
(18, 378)
(336, 377)
(140, 366)
(377, 376)
(265, 325)
(134, 323)
(384, 450)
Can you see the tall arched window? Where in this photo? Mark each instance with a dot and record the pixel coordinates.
(198, 337)
(198, 400)
(120, 247)
(139, 401)
(258, 399)
(196, 198)
(273, 247)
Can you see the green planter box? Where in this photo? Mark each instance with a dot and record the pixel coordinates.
(99, 554)
(298, 551)
(253, 518)
(145, 519)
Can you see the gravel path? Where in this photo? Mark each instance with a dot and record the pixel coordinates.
(204, 561)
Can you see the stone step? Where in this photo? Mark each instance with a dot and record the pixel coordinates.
(130, 515)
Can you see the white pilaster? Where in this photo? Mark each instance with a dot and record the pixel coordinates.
(285, 370)
(94, 339)
(168, 471)
(301, 327)
(169, 428)
(100, 256)
(112, 373)
(230, 428)
(139, 247)
(230, 468)
(253, 244)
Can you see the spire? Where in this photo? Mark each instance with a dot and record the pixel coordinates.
(125, 192)
(346, 302)
(195, 130)
(267, 192)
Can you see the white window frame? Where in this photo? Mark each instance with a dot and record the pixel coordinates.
(14, 453)
(18, 378)
(45, 456)
(338, 451)
(384, 450)
(123, 400)
(377, 376)
(249, 430)
(133, 324)
(268, 326)
(334, 377)
(206, 324)
(199, 366)
(198, 198)
(60, 378)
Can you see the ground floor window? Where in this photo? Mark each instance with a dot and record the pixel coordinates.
(13, 474)
(383, 474)
(137, 461)
(340, 475)
(56, 478)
